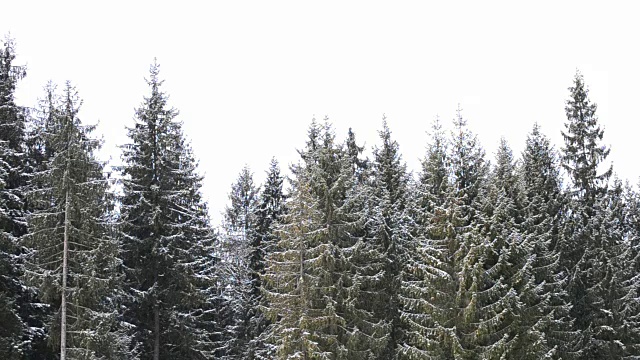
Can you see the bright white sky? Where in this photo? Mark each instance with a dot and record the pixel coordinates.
(248, 76)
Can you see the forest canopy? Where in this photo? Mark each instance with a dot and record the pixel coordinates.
(339, 256)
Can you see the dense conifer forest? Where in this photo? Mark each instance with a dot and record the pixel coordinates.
(336, 256)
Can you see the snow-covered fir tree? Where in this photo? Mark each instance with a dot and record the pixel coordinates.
(14, 333)
(447, 313)
(270, 211)
(359, 164)
(466, 250)
(368, 333)
(509, 296)
(582, 157)
(43, 120)
(166, 235)
(543, 207)
(426, 293)
(237, 255)
(612, 299)
(73, 257)
(305, 275)
(390, 235)
(289, 288)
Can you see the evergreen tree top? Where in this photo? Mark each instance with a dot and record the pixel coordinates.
(244, 201)
(272, 197)
(467, 160)
(504, 172)
(583, 152)
(390, 172)
(9, 73)
(434, 176)
(354, 151)
(539, 162)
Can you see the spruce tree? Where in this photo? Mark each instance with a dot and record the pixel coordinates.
(582, 157)
(466, 250)
(612, 300)
(543, 207)
(289, 283)
(368, 333)
(239, 261)
(426, 292)
(354, 152)
(73, 257)
(446, 309)
(12, 207)
(512, 294)
(44, 120)
(389, 232)
(166, 235)
(270, 211)
(306, 274)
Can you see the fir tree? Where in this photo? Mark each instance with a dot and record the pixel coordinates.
(368, 333)
(426, 293)
(512, 296)
(582, 157)
(465, 252)
(582, 153)
(17, 163)
(306, 274)
(390, 231)
(166, 235)
(543, 207)
(289, 286)
(40, 150)
(612, 300)
(239, 260)
(447, 291)
(270, 211)
(73, 257)
(354, 152)
(12, 224)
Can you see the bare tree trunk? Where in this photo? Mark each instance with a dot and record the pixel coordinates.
(156, 330)
(63, 311)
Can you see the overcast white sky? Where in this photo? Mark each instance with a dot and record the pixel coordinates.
(248, 76)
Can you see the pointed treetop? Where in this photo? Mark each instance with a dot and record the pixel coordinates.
(437, 134)
(385, 133)
(154, 78)
(313, 134)
(583, 152)
(504, 155)
(459, 122)
(274, 164)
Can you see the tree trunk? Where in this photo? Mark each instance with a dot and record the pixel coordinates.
(156, 330)
(63, 311)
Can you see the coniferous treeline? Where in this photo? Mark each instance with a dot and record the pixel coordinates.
(357, 258)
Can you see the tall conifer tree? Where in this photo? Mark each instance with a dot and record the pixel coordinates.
(389, 231)
(306, 274)
(427, 291)
(613, 297)
(12, 207)
(583, 156)
(73, 257)
(270, 211)
(466, 251)
(508, 268)
(369, 332)
(166, 235)
(239, 260)
(543, 209)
